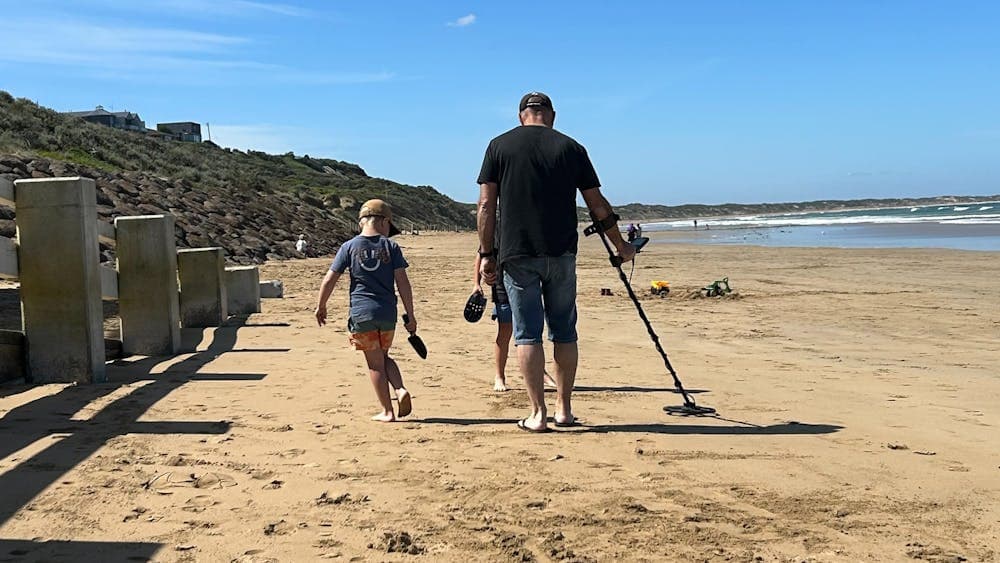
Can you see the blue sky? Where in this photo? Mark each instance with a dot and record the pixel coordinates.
(677, 102)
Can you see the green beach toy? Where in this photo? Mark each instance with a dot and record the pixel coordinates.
(716, 288)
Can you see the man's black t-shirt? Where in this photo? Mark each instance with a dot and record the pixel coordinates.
(538, 171)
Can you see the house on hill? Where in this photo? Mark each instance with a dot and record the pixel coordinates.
(181, 131)
(118, 120)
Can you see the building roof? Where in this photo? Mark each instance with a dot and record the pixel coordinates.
(99, 110)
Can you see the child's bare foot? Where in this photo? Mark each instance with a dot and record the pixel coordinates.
(549, 381)
(405, 404)
(500, 384)
(384, 417)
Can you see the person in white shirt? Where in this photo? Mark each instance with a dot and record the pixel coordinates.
(301, 245)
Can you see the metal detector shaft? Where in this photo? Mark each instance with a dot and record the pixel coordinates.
(617, 263)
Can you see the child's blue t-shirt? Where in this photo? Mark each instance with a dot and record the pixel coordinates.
(372, 261)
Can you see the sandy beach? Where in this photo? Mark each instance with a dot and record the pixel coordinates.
(857, 395)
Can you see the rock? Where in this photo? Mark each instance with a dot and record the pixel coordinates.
(8, 228)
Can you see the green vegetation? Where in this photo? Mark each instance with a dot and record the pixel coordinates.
(28, 129)
(77, 156)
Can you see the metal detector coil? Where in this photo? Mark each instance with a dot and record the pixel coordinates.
(689, 408)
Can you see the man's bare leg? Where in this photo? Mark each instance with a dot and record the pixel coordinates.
(532, 360)
(501, 349)
(566, 356)
(376, 372)
(396, 380)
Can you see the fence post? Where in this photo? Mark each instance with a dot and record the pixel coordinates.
(147, 285)
(203, 287)
(60, 281)
(243, 289)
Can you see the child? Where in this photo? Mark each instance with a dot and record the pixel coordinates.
(376, 264)
(505, 328)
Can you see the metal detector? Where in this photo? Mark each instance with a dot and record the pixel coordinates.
(689, 408)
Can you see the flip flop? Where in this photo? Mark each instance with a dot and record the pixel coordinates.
(405, 405)
(475, 306)
(567, 423)
(521, 424)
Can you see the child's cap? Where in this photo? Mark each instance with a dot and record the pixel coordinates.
(378, 208)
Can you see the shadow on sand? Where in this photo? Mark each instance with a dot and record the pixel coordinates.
(739, 428)
(49, 417)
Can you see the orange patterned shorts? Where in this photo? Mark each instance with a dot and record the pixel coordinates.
(373, 340)
(371, 335)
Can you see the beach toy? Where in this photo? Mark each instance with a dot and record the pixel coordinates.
(658, 287)
(415, 341)
(718, 287)
(475, 306)
(689, 408)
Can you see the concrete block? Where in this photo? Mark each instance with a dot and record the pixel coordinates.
(109, 282)
(203, 287)
(243, 289)
(8, 259)
(11, 355)
(106, 233)
(60, 279)
(147, 285)
(7, 192)
(271, 289)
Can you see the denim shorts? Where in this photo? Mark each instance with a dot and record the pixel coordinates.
(502, 313)
(501, 303)
(542, 290)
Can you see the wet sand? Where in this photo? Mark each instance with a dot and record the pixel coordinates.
(857, 395)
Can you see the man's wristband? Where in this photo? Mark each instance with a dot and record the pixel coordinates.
(490, 254)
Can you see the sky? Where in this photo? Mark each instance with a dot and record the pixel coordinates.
(677, 102)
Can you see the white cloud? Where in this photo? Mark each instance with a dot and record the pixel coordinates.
(463, 21)
(245, 8)
(80, 41)
(280, 139)
(273, 139)
(154, 54)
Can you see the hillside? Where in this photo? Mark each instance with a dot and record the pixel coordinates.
(221, 196)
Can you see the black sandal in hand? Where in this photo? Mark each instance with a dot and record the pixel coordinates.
(475, 306)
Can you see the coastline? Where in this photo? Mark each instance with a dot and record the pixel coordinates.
(856, 390)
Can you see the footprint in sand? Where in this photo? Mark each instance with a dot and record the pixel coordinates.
(294, 452)
(279, 528)
(199, 503)
(212, 481)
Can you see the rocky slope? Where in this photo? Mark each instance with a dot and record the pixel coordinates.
(251, 203)
(251, 226)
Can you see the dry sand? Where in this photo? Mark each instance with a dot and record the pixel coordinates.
(857, 391)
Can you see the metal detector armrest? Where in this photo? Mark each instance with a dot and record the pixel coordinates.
(606, 224)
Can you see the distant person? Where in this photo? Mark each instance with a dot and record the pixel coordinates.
(696, 224)
(301, 245)
(638, 230)
(535, 172)
(377, 268)
(631, 232)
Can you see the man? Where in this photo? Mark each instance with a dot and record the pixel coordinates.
(535, 172)
(301, 245)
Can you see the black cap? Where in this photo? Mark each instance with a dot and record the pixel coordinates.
(535, 100)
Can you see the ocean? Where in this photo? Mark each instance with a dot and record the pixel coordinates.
(974, 226)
